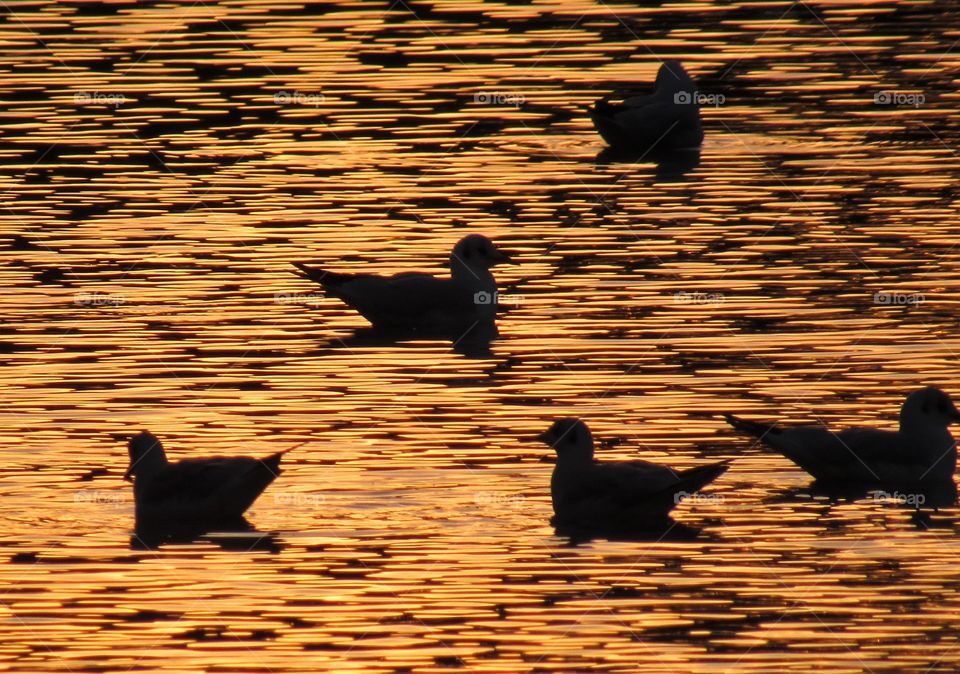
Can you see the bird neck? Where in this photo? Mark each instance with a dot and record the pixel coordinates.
(478, 278)
(151, 462)
(576, 460)
(932, 434)
(673, 80)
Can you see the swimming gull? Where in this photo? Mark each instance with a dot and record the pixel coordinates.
(669, 118)
(413, 300)
(921, 450)
(194, 491)
(612, 495)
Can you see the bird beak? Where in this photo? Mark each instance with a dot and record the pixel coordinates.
(499, 257)
(128, 476)
(955, 416)
(544, 438)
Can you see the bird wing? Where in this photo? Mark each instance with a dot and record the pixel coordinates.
(403, 298)
(655, 119)
(646, 125)
(639, 101)
(196, 480)
(628, 482)
(852, 454)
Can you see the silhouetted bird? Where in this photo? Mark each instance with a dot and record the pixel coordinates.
(669, 118)
(590, 494)
(413, 300)
(922, 450)
(194, 491)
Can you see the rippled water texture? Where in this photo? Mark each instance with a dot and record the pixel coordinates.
(162, 165)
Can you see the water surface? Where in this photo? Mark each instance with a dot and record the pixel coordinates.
(163, 163)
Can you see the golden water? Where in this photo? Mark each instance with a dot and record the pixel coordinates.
(172, 159)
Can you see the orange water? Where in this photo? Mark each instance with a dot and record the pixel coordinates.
(412, 533)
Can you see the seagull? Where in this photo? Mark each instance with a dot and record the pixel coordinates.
(413, 300)
(669, 118)
(632, 494)
(194, 491)
(921, 451)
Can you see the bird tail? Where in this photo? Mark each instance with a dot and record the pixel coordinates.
(694, 479)
(754, 428)
(604, 108)
(327, 279)
(273, 461)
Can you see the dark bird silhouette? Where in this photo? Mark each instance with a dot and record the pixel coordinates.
(614, 495)
(667, 119)
(414, 300)
(193, 492)
(922, 450)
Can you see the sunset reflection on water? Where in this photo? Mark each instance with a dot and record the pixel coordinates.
(163, 166)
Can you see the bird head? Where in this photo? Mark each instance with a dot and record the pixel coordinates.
(146, 451)
(570, 438)
(928, 406)
(477, 252)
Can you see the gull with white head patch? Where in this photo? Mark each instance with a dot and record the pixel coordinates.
(193, 492)
(414, 300)
(669, 118)
(922, 450)
(614, 495)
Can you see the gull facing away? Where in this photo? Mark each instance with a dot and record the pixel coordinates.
(633, 494)
(669, 118)
(413, 300)
(193, 492)
(921, 451)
